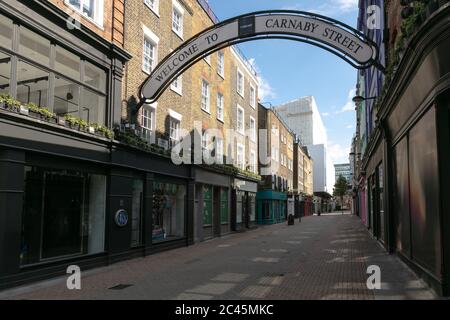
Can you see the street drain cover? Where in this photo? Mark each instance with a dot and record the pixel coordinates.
(121, 287)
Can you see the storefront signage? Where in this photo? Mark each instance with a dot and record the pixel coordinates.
(326, 33)
(121, 218)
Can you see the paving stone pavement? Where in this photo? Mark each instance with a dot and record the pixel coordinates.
(322, 257)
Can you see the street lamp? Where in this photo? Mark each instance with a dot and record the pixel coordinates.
(360, 99)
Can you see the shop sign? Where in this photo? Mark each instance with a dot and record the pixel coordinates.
(121, 218)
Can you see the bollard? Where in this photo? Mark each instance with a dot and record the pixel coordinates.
(291, 220)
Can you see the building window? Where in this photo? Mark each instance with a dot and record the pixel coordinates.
(147, 123)
(153, 5)
(177, 18)
(253, 162)
(240, 83)
(149, 55)
(220, 107)
(63, 214)
(177, 85)
(208, 59)
(205, 104)
(240, 159)
(240, 125)
(221, 64)
(174, 131)
(5, 73)
(79, 88)
(252, 129)
(169, 207)
(219, 150)
(252, 96)
(92, 9)
(150, 50)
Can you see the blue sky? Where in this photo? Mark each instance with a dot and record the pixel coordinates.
(290, 70)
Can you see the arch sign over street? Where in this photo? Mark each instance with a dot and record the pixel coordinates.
(329, 34)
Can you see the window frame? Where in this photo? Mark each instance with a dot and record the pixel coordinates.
(239, 72)
(252, 97)
(177, 9)
(241, 131)
(153, 39)
(220, 116)
(221, 64)
(242, 147)
(154, 9)
(99, 14)
(207, 97)
(179, 88)
(253, 130)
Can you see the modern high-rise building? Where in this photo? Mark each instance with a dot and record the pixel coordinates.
(303, 117)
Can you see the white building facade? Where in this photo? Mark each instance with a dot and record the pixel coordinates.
(303, 117)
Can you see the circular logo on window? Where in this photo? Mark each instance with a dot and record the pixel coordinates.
(121, 218)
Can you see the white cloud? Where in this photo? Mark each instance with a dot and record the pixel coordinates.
(325, 114)
(329, 8)
(349, 105)
(265, 91)
(338, 153)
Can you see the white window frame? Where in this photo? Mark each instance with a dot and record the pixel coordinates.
(219, 150)
(206, 103)
(174, 126)
(242, 147)
(220, 106)
(177, 85)
(208, 59)
(252, 97)
(240, 130)
(221, 64)
(253, 130)
(98, 11)
(154, 8)
(178, 9)
(154, 40)
(242, 92)
(253, 162)
(152, 109)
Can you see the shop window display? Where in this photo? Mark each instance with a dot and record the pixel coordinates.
(63, 215)
(169, 205)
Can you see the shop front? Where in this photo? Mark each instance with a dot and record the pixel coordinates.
(212, 203)
(244, 203)
(271, 207)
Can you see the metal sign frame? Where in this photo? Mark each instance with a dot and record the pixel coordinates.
(162, 75)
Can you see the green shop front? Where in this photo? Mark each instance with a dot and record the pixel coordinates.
(271, 207)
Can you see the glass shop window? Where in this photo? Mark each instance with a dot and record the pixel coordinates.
(63, 214)
(34, 47)
(136, 213)
(94, 77)
(169, 207)
(67, 63)
(66, 97)
(207, 205)
(6, 32)
(32, 84)
(5, 72)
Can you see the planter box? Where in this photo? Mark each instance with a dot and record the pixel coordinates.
(53, 120)
(91, 130)
(34, 114)
(61, 121)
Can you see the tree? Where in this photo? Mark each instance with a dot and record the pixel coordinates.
(340, 189)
